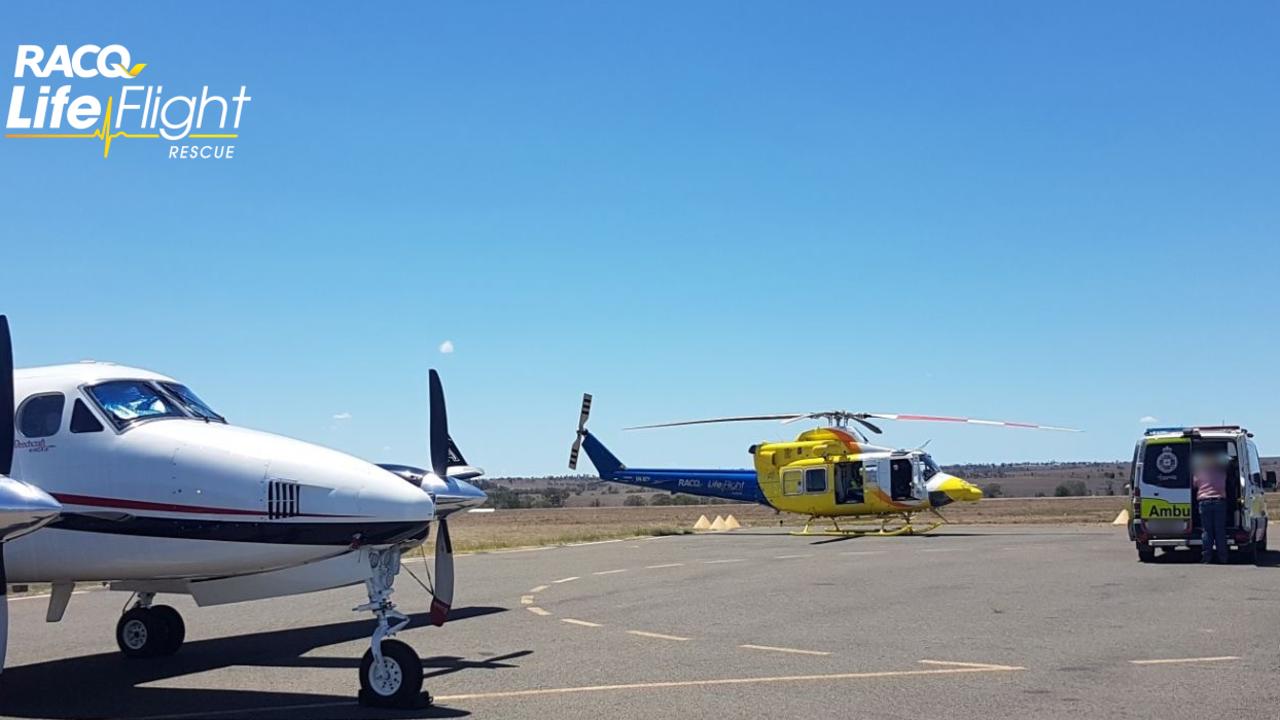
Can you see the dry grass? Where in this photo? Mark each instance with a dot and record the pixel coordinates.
(520, 528)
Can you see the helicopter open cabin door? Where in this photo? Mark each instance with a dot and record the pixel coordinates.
(849, 483)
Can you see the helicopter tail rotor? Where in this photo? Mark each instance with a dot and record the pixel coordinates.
(582, 431)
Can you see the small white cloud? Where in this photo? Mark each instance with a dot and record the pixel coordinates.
(446, 347)
(1148, 419)
(342, 416)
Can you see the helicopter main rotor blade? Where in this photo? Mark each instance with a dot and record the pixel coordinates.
(709, 421)
(870, 426)
(970, 421)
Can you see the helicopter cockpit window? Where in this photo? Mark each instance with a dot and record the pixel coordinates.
(129, 401)
(192, 402)
(815, 480)
(928, 468)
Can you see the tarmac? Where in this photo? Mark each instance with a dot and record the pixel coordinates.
(982, 622)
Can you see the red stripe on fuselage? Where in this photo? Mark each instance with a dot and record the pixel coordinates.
(123, 504)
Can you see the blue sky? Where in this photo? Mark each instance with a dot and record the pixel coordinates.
(1063, 213)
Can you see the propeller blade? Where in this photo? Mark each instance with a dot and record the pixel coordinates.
(4, 610)
(439, 428)
(582, 430)
(443, 599)
(740, 418)
(970, 421)
(7, 436)
(868, 425)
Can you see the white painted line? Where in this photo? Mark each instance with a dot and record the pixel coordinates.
(658, 636)
(864, 552)
(538, 611)
(794, 651)
(1175, 661)
(790, 557)
(728, 681)
(952, 663)
(667, 565)
(583, 623)
(721, 562)
(593, 542)
(609, 572)
(564, 580)
(538, 589)
(526, 599)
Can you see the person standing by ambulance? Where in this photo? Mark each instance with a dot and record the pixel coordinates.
(1210, 484)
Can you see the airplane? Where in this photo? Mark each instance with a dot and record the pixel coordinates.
(125, 476)
(829, 472)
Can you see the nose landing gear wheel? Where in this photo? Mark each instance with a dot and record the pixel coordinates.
(142, 633)
(396, 682)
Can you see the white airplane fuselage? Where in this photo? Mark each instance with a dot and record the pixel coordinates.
(180, 497)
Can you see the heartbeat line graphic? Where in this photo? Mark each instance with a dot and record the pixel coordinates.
(106, 136)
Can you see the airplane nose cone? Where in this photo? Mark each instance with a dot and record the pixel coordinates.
(396, 500)
(23, 508)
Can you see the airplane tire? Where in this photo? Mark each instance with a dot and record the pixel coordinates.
(177, 629)
(141, 633)
(400, 685)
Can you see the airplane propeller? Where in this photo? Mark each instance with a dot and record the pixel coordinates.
(439, 435)
(582, 431)
(23, 507)
(7, 441)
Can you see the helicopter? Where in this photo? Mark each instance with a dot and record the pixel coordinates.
(826, 473)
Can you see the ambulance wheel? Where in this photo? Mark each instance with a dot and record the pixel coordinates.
(1146, 553)
(177, 628)
(141, 633)
(399, 682)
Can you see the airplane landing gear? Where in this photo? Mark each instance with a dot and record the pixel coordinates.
(390, 671)
(147, 630)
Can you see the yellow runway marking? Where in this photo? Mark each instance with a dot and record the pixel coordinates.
(665, 565)
(965, 668)
(795, 651)
(538, 589)
(583, 623)
(526, 599)
(537, 611)
(609, 572)
(564, 580)
(658, 636)
(1175, 661)
(721, 562)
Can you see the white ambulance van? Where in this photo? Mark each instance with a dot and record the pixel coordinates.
(1164, 513)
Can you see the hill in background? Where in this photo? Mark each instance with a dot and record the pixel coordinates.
(1047, 479)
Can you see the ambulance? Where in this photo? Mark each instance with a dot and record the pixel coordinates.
(1164, 513)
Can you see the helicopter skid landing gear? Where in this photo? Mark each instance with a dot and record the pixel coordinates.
(885, 528)
(390, 671)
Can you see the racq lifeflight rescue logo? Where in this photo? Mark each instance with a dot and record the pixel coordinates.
(194, 126)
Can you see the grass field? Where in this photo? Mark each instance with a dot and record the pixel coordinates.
(520, 528)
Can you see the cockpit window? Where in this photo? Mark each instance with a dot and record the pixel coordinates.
(128, 401)
(928, 468)
(192, 402)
